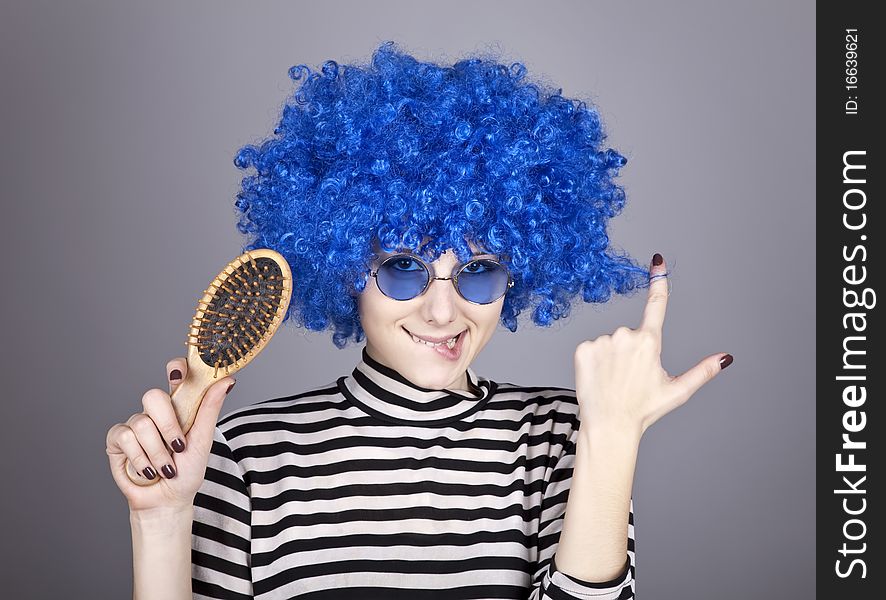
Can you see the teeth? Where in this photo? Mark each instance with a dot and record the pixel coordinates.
(450, 343)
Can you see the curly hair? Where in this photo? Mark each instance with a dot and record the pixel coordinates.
(401, 151)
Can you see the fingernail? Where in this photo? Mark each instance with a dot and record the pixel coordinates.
(175, 375)
(725, 361)
(657, 259)
(168, 471)
(178, 445)
(230, 387)
(149, 472)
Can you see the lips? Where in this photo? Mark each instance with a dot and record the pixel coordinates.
(443, 350)
(434, 340)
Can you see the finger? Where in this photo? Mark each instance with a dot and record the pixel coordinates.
(123, 445)
(689, 382)
(151, 441)
(657, 300)
(158, 406)
(203, 429)
(176, 371)
(117, 457)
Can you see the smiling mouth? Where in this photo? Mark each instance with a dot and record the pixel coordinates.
(450, 343)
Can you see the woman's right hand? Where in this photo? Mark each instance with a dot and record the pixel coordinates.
(146, 439)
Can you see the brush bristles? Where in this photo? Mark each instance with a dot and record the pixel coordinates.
(243, 305)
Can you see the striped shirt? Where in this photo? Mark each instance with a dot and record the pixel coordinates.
(373, 487)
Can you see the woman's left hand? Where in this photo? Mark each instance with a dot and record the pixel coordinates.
(619, 380)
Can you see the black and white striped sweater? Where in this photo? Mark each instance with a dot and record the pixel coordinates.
(372, 487)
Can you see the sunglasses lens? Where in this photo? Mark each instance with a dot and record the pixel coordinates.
(402, 278)
(483, 281)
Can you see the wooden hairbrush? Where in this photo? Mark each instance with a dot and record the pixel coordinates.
(236, 317)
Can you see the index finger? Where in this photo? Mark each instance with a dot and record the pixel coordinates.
(176, 370)
(657, 301)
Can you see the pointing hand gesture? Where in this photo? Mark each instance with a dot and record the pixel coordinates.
(619, 380)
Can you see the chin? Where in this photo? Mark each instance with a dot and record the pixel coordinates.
(429, 376)
(419, 365)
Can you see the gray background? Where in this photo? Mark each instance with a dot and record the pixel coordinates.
(120, 123)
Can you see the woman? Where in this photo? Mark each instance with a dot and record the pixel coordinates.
(418, 207)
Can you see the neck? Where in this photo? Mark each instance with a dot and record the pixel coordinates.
(384, 393)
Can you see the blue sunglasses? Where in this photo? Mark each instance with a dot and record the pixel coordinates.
(405, 276)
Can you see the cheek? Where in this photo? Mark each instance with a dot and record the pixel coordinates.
(365, 311)
(369, 298)
(361, 306)
(487, 317)
(375, 309)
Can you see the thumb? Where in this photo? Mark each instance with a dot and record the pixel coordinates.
(707, 368)
(203, 429)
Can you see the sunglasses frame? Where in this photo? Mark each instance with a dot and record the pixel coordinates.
(456, 271)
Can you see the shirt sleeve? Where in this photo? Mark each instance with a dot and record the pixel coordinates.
(221, 531)
(549, 583)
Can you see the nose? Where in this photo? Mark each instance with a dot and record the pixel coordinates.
(440, 302)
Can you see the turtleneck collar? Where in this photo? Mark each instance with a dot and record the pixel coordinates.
(383, 393)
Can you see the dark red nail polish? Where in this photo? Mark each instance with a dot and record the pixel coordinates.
(657, 259)
(150, 473)
(230, 387)
(175, 375)
(178, 445)
(725, 361)
(168, 471)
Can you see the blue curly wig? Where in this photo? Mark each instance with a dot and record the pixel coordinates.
(401, 151)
